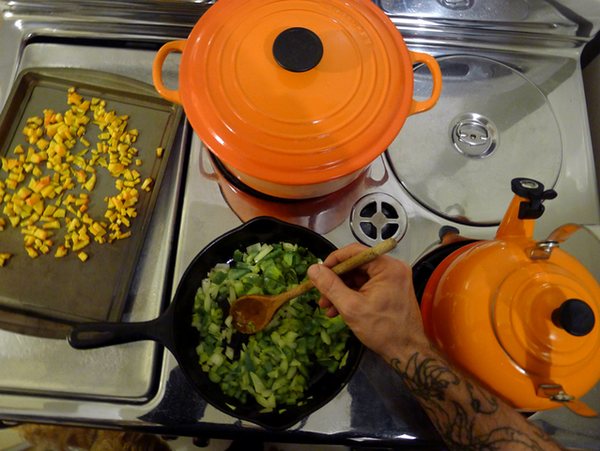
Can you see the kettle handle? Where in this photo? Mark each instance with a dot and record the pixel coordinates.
(436, 73)
(543, 249)
(556, 393)
(169, 94)
(563, 233)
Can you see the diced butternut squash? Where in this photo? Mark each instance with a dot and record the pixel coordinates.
(4, 257)
(52, 165)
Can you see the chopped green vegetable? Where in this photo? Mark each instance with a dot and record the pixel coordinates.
(275, 365)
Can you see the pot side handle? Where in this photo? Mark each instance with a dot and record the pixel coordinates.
(434, 67)
(159, 61)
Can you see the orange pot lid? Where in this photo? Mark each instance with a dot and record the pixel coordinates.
(528, 323)
(296, 118)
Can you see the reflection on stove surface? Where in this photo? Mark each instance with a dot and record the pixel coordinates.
(321, 214)
(490, 125)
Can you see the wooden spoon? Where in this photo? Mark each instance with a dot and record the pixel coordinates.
(253, 312)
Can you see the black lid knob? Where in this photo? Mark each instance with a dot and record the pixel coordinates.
(575, 317)
(297, 49)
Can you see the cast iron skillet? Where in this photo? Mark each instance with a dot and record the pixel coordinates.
(174, 330)
(423, 269)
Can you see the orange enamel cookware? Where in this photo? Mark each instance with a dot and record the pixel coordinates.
(518, 314)
(296, 97)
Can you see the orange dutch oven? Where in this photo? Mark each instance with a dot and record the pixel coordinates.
(296, 97)
(519, 314)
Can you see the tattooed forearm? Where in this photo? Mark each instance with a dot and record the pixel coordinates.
(481, 402)
(429, 378)
(465, 415)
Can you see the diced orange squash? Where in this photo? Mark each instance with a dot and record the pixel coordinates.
(89, 185)
(52, 224)
(61, 252)
(31, 251)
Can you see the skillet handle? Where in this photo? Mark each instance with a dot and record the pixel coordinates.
(99, 335)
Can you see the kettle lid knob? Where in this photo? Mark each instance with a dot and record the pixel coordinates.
(575, 317)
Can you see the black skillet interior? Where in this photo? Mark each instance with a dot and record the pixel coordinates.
(322, 389)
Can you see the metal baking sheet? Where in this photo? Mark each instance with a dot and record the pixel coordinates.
(63, 291)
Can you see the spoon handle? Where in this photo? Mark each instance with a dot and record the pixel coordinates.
(341, 268)
(364, 257)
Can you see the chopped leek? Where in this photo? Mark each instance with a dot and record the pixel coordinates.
(274, 366)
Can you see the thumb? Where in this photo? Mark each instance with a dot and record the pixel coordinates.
(329, 284)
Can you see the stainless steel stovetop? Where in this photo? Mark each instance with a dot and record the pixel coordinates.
(513, 92)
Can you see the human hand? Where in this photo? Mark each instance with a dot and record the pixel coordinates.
(377, 301)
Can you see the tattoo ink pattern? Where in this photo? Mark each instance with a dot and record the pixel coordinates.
(429, 379)
(489, 406)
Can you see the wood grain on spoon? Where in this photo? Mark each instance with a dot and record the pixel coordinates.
(253, 312)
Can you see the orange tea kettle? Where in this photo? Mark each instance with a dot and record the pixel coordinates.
(519, 314)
